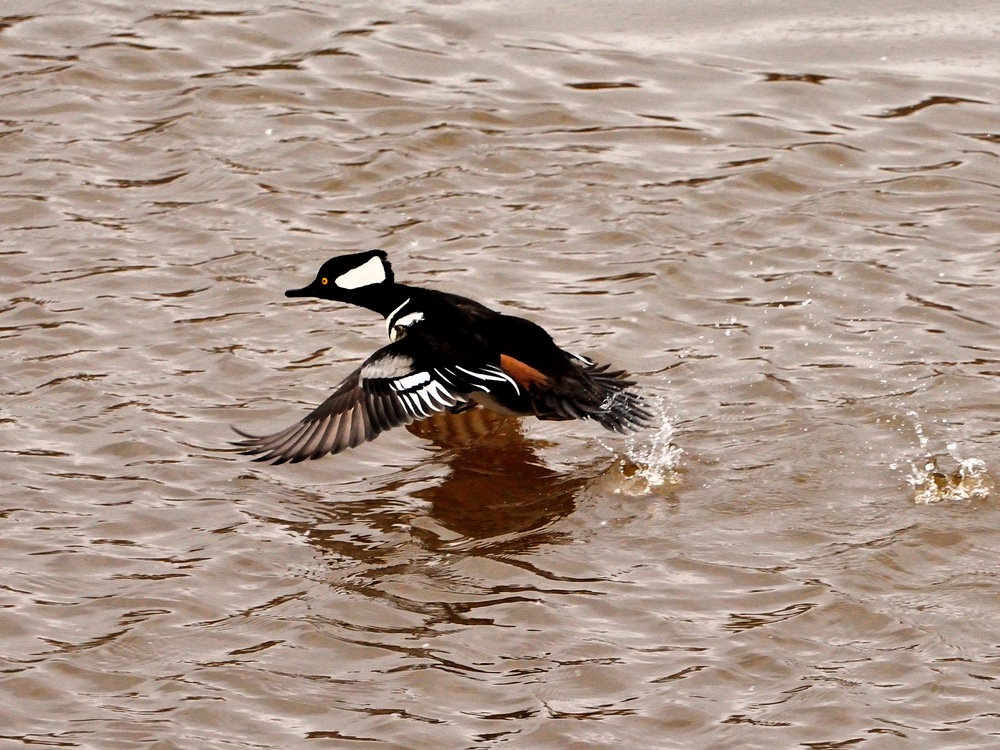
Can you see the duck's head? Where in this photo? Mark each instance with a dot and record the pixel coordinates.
(353, 278)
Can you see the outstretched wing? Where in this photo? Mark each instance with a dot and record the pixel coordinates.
(387, 391)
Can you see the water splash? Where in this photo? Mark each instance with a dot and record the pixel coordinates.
(651, 458)
(946, 477)
(969, 480)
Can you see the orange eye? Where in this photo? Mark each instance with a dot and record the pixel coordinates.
(323, 281)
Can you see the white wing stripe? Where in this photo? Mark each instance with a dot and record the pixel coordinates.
(484, 374)
(444, 376)
(437, 391)
(413, 404)
(411, 381)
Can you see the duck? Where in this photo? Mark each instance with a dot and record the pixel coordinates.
(446, 353)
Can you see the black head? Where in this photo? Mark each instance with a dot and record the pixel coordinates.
(350, 278)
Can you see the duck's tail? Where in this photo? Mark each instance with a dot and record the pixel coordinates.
(622, 409)
(600, 394)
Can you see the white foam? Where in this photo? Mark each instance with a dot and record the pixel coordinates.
(967, 480)
(651, 458)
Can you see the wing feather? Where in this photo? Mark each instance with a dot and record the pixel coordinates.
(315, 439)
(387, 391)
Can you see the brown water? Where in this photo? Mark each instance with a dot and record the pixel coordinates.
(782, 216)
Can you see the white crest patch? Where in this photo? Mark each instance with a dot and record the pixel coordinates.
(369, 272)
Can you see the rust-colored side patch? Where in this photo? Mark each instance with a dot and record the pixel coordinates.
(525, 375)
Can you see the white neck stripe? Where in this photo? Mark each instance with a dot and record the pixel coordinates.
(390, 316)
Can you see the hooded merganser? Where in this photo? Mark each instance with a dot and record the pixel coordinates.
(448, 353)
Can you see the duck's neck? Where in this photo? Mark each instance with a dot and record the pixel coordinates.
(385, 298)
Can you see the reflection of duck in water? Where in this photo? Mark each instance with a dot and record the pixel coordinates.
(494, 494)
(497, 483)
(448, 353)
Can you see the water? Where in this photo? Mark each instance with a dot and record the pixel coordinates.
(782, 220)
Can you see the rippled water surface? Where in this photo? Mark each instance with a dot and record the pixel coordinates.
(782, 217)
